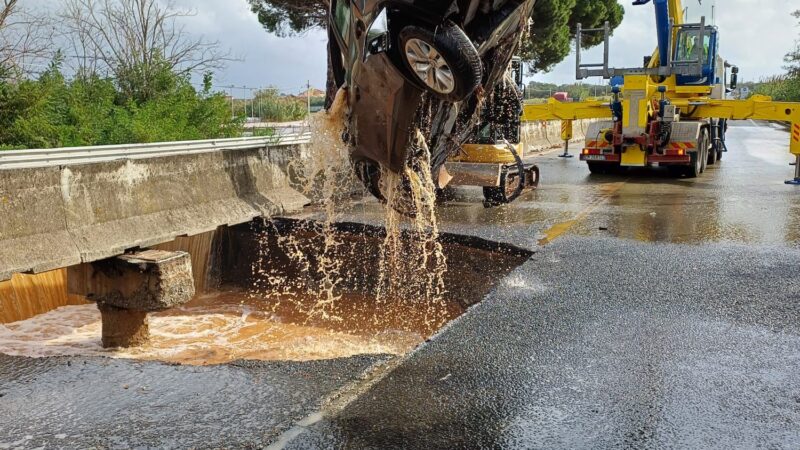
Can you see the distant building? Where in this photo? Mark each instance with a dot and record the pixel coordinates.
(313, 92)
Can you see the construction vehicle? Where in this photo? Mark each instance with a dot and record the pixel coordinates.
(670, 112)
(492, 158)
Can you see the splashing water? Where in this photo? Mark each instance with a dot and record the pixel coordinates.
(412, 269)
(412, 262)
(326, 308)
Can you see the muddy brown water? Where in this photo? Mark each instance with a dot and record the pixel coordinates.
(292, 290)
(241, 317)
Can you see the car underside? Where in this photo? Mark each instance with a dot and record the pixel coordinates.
(414, 66)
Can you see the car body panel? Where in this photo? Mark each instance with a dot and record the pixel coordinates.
(383, 102)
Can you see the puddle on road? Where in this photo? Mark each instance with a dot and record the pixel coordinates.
(213, 329)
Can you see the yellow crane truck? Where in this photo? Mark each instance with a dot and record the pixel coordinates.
(671, 112)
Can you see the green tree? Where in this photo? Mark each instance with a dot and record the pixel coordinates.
(554, 25)
(548, 43)
(786, 87)
(286, 17)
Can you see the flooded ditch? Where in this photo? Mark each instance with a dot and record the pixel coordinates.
(275, 291)
(287, 289)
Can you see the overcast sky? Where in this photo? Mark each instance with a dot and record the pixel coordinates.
(755, 34)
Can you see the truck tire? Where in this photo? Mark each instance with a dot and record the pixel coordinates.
(712, 156)
(443, 62)
(703, 146)
(712, 150)
(698, 158)
(694, 169)
(596, 168)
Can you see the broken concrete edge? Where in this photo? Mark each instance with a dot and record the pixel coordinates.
(146, 281)
(290, 223)
(89, 212)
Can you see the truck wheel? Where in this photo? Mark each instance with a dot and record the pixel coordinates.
(712, 154)
(596, 168)
(703, 148)
(694, 169)
(443, 62)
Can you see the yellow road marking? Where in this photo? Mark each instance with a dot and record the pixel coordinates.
(559, 229)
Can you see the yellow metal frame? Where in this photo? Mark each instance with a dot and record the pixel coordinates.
(555, 110)
(488, 154)
(757, 108)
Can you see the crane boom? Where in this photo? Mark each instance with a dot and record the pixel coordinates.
(669, 13)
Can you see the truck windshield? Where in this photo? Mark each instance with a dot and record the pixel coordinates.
(688, 42)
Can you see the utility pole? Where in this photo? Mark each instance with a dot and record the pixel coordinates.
(244, 97)
(308, 96)
(233, 114)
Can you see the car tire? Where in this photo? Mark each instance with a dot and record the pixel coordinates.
(454, 68)
(369, 172)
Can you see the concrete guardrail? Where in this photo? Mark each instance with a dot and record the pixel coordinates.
(60, 207)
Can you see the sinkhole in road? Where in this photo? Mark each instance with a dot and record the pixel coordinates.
(286, 290)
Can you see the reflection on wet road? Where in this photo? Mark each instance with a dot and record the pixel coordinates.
(742, 199)
(613, 336)
(610, 336)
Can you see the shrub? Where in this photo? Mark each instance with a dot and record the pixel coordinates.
(90, 110)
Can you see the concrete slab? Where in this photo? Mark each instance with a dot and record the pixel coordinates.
(33, 230)
(56, 217)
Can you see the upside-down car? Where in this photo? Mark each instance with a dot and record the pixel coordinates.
(418, 65)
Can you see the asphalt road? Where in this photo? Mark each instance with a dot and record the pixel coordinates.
(656, 313)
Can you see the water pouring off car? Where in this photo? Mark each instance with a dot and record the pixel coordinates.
(432, 67)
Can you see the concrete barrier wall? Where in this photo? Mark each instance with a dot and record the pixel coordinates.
(541, 136)
(61, 216)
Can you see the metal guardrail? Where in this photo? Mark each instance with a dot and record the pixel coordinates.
(22, 159)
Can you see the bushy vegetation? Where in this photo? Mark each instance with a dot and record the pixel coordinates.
(578, 91)
(270, 106)
(783, 88)
(52, 111)
(786, 87)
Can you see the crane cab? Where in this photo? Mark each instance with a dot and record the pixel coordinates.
(696, 47)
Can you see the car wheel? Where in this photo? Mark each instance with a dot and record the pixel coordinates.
(369, 173)
(443, 62)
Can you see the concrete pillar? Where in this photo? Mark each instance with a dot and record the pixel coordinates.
(128, 287)
(123, 327)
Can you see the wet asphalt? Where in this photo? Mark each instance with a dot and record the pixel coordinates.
(656, 313)
(73, 402)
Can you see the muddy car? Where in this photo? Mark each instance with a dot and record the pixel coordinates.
(422, 65)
